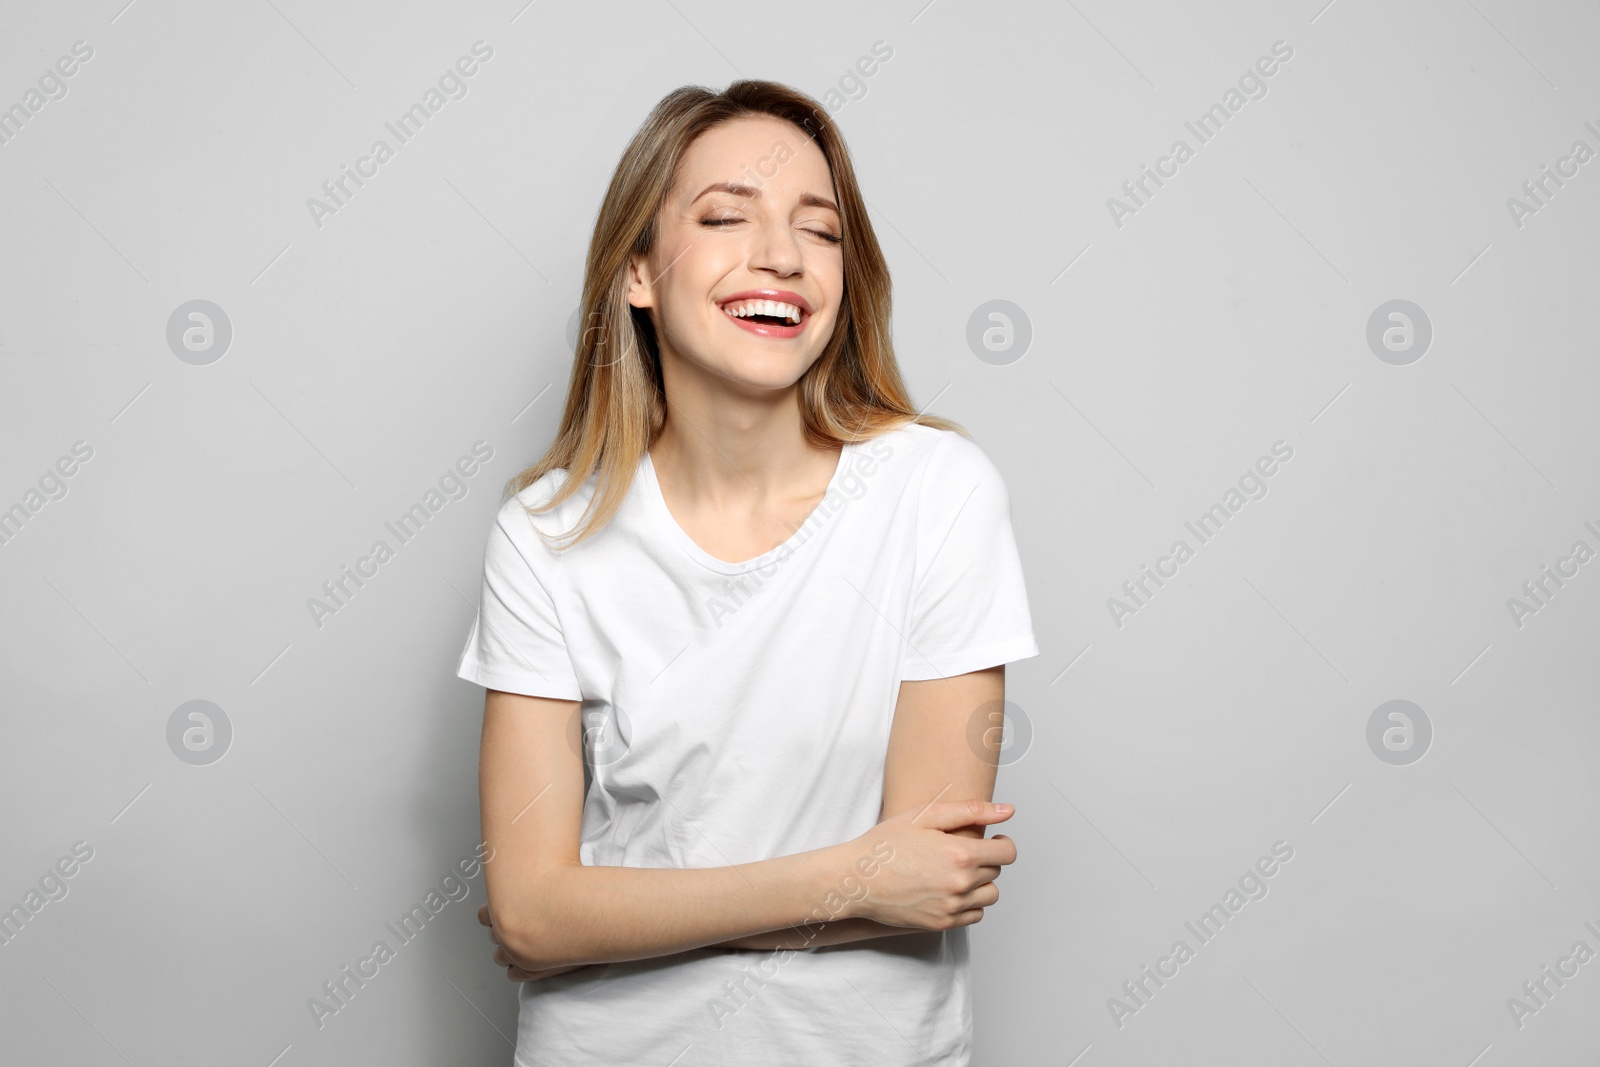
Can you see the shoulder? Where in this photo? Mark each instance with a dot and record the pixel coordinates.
(946, 461)
(525, 515)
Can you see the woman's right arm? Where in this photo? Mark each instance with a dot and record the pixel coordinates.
(548, 909)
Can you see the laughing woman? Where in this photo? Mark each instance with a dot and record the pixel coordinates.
(743, 630)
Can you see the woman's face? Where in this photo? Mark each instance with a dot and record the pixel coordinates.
(752, 217)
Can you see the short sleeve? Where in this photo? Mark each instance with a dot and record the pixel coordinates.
(969, 605)
(516, 644)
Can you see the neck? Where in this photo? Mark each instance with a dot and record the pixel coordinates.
(722, 444)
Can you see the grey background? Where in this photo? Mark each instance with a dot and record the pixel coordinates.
(1167, 754)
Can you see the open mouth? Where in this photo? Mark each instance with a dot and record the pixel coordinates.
(771, 313)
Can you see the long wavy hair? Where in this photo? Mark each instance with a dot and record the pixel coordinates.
(616, 402)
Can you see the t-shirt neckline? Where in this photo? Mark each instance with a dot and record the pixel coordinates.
(664, 519)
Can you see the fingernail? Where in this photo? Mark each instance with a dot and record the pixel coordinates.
(1004, 809)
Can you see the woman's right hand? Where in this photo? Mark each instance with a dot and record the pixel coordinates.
(923, 876)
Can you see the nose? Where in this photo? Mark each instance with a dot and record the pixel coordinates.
(775, 247)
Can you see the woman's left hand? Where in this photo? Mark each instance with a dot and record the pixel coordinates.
(514, 972)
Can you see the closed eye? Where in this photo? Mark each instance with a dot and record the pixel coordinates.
(826, 236)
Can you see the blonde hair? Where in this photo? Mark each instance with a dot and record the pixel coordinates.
(616, 403)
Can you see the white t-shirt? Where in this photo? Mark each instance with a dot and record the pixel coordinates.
(740, 711)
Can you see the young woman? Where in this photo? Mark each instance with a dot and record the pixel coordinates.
(743, 630)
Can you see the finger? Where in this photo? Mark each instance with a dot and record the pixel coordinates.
(483, 914)
(980, 876)
(953, 814)
(983, 896)
(991, 851)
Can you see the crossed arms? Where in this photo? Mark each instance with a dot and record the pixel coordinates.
(551, 913)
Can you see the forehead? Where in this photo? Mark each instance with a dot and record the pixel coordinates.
(774, 155)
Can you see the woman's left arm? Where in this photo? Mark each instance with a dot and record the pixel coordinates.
(944, 744)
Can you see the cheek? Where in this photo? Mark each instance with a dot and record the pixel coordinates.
(830, 278)
(835, 298)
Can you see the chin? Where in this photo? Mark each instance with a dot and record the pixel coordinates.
(762, 383)
(761, 366)
(763, 376)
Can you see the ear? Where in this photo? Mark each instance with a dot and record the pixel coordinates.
(641, 288)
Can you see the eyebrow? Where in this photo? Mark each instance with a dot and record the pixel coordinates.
(752, 193)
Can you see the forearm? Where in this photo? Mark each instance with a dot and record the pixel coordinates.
(818, 935)
(579, 914)
(831, 931)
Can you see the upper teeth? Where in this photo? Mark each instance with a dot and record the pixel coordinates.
(778, 309)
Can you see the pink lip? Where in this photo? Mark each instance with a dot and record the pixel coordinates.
(784, 295)
(762, 329)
